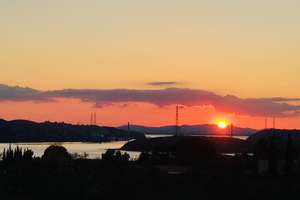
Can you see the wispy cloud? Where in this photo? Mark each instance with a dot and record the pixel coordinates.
(164, 83)
(278, 106)
(16, 93)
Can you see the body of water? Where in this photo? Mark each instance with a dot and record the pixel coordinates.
(93, 150)
(158, 135)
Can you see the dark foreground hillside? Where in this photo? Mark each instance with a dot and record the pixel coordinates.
(179, 168)
(220, 144)
(96, 179)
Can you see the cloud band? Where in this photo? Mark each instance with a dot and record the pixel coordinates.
(278, 106)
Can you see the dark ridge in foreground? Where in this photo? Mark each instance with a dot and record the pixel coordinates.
(167, 144)
(280, 138)
(177, 168)
(261, 141)
(29, 131)
(280, 133)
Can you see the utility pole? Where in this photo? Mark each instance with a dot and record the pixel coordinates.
(266, 123)
(95, 118)
(177, 121)
(91, 119)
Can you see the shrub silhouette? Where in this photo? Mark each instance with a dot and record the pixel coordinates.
(115, 156)
(56, 153)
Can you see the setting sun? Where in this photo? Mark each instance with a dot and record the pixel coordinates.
(222, 124)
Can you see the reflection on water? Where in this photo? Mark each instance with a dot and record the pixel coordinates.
(93, 150)
(159, 135)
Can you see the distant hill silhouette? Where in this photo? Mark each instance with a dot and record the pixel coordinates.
(29, 131)
(205, 129)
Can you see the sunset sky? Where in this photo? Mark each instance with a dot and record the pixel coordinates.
(232, 59)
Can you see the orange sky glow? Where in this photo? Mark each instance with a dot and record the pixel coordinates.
(237, 60)
(75, 111)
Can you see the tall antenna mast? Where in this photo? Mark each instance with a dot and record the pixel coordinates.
(231, 130)
(274, 122)
(95, 118)
(91, 120)
(266, 123)
(177, 121)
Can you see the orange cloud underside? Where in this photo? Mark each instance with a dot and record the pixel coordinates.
(75, 111)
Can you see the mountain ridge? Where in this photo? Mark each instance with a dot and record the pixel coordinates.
(30, 131)
(198, 129)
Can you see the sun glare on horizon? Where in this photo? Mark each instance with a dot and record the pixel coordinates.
(222, 124)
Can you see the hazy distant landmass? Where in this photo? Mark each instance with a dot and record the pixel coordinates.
(29, 131)
(188, 130)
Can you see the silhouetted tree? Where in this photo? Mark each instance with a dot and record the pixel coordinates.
(28, 154)
(56, 153)
(16, 154)
(115, 156)
(125, 157)
(108, 155)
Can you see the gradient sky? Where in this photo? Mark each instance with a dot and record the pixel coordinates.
(244, 48)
